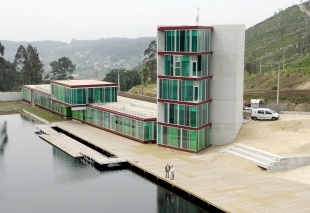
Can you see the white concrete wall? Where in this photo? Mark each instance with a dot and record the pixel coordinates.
(10, 96)
(226, 87)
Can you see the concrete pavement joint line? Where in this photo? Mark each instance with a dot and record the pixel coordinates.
(192, 179)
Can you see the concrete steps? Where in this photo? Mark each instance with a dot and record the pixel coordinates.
(267, 160)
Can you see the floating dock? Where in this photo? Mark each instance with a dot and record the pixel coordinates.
(226, 188)
(76, 149)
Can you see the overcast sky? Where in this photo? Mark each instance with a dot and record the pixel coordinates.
(63, 20)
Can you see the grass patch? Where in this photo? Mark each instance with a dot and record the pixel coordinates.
(18, 105)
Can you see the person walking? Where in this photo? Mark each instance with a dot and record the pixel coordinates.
(172, 172)
(167, 168)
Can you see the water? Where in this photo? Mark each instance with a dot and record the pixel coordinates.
(37, 177)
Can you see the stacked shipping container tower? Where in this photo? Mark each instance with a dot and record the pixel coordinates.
(199, 98)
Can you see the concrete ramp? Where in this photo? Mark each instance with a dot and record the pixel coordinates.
(267, 160)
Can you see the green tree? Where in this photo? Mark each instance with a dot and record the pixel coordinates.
(150, 60)
(28, 65)
(34, 67)
(19, 64)
(128, 78)
(62, 69)
(1, 49)
(7, 76)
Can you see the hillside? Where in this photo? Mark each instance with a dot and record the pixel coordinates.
(94, 58)
(281, 44)
(282, 39)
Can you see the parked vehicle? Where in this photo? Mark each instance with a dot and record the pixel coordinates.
(264, 114)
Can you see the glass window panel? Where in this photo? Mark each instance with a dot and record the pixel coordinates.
(193, 116)
(159, 136)
(167, 64)
(182, 41)
(193, 140)
(194, 68)
(181, 114)
(171, 113)
(174, 137)
(165, 112)
(165, 89)
(194, 40)
(196, 93)
(165, 135)
(185, 65)
(177, 41)
(188, 39)
(185, 138)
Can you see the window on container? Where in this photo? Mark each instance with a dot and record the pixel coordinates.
(196, 93)
(165, 135)
(185, 138)
(96, 95)
(90, 95)
(185, 65)
(170, 41)
(165, 89)
(193, 116)
(194, 40)
(199, 66)
(194, 68)
(79, 96)
(159, 135)
(167, 64)
(189, 91)
(177, 40)
(140, 130)
(176, 114)
(182, 41)
(174, 89)
(193, 140)
(177, 65)
(165, 112)
(171, 113)
(187, 42)
(174, 137)
(181, 115)
(160, 88)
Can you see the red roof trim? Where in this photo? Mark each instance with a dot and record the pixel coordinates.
(185, 53)
(184, 102)
(122, 114)
(84, 86)
(185, 78)
(185, 127)
(66, 104)
(185, 28)
(39, 91)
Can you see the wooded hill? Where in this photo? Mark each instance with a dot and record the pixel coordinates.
(281, 42)
(93, 58)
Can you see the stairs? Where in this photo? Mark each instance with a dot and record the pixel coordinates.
(267, 160)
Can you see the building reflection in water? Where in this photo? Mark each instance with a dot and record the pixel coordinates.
(169, 203)
(3, 137)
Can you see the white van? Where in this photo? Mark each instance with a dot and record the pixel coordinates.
(264, 114)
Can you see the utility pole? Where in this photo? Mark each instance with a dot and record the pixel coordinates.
(118, 81)
(278, 87)
(260, 65)
(283, 58)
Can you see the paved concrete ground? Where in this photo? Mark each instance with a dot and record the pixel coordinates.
(231, 189)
